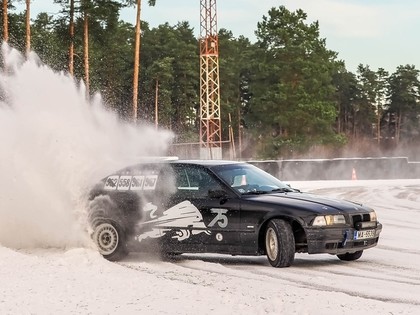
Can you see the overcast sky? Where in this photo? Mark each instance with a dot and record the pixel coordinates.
(378, 33)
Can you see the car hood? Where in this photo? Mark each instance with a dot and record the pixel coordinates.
(314, 203)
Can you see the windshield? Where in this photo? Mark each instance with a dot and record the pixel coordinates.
(249, 179)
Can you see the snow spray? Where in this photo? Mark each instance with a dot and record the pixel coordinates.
(55, 144)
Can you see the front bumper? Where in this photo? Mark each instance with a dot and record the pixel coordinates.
(338, 240)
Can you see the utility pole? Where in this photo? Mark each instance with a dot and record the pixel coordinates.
(210, 123)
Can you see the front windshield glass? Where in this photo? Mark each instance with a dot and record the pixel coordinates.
(249, 179)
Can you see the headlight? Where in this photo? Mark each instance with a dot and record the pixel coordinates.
(373, 216)
(323, 220)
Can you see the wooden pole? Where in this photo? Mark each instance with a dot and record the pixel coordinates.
(28, 27)
(71, 31)
(136, 61)
(86, 49)
(156, 104)
(5, 22)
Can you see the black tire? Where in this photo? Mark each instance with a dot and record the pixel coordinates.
(110, 239)
(350, 256)
(101, 207)
(109, 233)
(279, 243)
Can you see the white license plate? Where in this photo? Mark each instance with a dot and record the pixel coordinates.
(360, 235)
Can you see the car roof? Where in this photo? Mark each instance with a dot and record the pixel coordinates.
(175, 161)
(149, 161)
(205, 162)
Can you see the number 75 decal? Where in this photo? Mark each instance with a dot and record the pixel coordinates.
(220, 218)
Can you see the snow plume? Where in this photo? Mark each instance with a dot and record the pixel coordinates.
(54, 145)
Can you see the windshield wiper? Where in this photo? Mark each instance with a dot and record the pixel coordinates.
(284, 190)
(255, 192)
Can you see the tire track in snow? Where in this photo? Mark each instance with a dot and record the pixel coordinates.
(305, 275)
(327, 288)
(359, 272)
(398, 249)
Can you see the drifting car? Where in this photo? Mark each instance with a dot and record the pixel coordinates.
(226, 207)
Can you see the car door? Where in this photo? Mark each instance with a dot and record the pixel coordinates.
(213, 207)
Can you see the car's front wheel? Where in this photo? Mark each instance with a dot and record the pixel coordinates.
(350, 256)
(279, 243)
(109, 239)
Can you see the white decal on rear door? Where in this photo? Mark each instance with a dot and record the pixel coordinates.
(184, 218)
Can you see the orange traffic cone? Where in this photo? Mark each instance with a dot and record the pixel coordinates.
(353, 174)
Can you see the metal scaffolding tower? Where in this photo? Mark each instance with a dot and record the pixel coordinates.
(210, 123)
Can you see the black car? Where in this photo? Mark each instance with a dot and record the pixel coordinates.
(213, 206)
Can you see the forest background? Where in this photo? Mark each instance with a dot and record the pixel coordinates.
(286, 95)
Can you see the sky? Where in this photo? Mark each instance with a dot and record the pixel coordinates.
(378, 33)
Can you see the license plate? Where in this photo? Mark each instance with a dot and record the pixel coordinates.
(360, 235)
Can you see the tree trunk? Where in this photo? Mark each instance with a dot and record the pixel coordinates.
(5, 22)
(354, 125)
(71, 31)
(136, 61)
(86, 49)
(240, 128)
(379, 126)
(398, 128)
(340, 115)
(28, 27)
(156, 104)
(346, 122)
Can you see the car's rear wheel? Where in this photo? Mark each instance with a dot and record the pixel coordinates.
(279, 243)
(350, 256)
(109, 232)
(109, 238)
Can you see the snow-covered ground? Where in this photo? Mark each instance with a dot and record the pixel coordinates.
(386, 280)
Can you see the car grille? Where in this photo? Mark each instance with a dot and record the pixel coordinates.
(360, 218)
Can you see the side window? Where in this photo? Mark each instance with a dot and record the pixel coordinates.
(186, 179)
(192, 181)
(207, 182)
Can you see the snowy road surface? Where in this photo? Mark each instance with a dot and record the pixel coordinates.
(386, 280)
